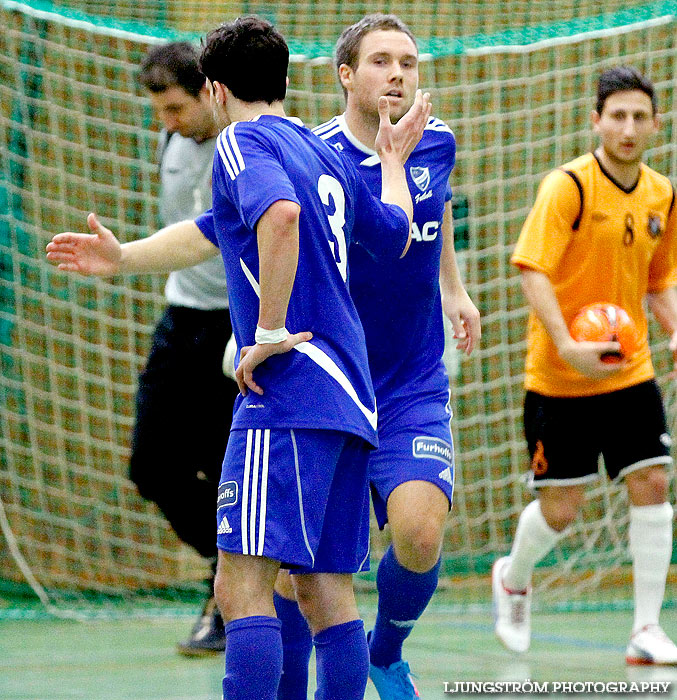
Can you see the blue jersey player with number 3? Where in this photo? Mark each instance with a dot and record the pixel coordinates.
(286, 210)
(400, 306)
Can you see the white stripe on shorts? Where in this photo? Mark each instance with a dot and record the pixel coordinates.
(245, 492)
(255, 492)
(264, 492)
(300, 492)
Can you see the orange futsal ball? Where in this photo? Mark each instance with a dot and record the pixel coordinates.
(603, 322)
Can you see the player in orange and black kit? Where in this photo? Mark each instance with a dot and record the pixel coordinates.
(603, 228)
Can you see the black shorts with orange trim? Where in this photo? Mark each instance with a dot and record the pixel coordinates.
(566, 436)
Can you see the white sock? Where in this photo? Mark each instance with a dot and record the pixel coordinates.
(533, 540)
(651, 550)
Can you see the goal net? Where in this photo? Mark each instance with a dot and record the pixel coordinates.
(77, 135)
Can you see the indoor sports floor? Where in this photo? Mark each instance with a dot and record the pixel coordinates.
(135, 660)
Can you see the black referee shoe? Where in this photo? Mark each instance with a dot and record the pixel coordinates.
(207, 638)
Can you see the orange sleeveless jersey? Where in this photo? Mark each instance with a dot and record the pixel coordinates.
(615, 246)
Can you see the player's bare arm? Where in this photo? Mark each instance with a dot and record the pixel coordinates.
(100, 253)
(663, 305)
(583, 356)
(277, 234)
(456, 304)
(394, 144)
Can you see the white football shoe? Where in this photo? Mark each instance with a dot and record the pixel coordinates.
(512, 611)
(651, 645)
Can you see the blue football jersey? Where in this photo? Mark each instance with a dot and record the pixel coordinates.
(323, 383)
(399, 301)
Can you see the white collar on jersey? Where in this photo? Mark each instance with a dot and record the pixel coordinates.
(373, 158)
(341, 121)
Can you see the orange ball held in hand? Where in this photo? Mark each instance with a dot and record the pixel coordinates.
(603, 322)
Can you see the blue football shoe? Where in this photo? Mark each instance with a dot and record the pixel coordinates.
(394, 682)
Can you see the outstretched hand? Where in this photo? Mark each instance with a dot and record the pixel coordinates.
(400, 139)
(97, 253)
(252, 356)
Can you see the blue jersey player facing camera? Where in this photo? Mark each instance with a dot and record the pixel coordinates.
(400, 304)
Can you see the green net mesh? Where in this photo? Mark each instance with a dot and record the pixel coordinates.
(516, 83)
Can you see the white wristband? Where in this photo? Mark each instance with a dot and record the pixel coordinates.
(265, 337)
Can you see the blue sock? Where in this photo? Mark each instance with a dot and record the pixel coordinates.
(342, 662)
(402, 597)
(297, 643)
(253, 658)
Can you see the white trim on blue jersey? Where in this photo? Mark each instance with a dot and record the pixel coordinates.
(328, 129)
(320, 358)
(236, 149)
(250, 278)
(338, 124)
(371, 161)
(435, 124)
(227, 148)
(224, 158)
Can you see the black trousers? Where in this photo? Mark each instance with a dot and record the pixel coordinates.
(184, 408)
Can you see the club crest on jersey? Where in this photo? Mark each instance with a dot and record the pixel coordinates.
(227, 494)
(433, 448)
(654, 225)
(421, 177)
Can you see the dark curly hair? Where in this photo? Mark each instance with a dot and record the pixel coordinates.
(250, 57)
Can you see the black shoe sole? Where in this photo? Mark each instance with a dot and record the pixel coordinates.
(193, 652)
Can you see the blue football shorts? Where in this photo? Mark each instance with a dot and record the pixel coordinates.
(415, 444)
(298, 496)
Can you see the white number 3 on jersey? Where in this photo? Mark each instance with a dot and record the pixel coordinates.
(328, 186)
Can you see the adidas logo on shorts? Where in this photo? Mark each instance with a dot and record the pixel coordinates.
(224, 527)
(446, 475)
